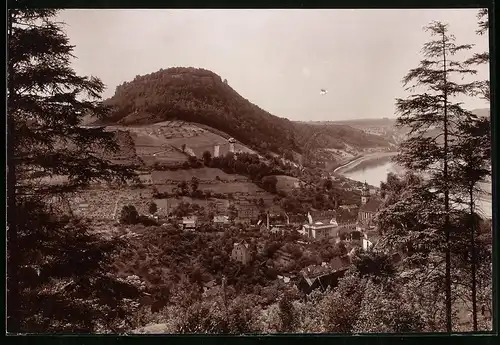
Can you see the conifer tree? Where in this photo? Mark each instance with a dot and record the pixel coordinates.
(474, 154)
(432, 116)
(46, 101)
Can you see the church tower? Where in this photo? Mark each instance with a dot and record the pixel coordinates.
(365, 194)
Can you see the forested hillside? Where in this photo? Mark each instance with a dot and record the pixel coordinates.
(198, 95)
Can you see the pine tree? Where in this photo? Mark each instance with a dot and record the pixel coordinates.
(474, 152)
(484, 57)
(431, 117)
(46, 102)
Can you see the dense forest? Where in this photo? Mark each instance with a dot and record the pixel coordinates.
(201, 96)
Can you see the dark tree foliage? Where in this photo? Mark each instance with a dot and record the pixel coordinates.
(46, 102)
(207, 158)
(287, 314)
(195, 182)
(65, 278)
(269, 183)
(474, 153)
(377, 266)
(129, 215)
(484, 57)
(153, 208)
(483, 21)
(434, 109)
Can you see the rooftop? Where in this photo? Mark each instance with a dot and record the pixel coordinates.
(372, 205)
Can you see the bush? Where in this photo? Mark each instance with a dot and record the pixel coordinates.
(153, 208)
(129, 215)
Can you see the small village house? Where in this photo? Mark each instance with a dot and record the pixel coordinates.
(322, 277)
(221, 222)
(189, 223)
(241, 253)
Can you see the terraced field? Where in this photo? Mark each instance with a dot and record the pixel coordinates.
(163, 142)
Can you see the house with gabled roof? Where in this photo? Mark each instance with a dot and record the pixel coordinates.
(189, 223)
(322, 277)
(241, 252)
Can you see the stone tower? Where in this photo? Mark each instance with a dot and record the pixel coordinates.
(231, 144)
(365, 194)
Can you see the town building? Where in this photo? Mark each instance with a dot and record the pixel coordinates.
(221, 222)
(189, 223)
(241, 253)
(370, 204)
(324, 224)
(320, 224)
(322, 277)
(247, 213)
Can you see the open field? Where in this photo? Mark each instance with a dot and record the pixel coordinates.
(172, 203)
(287, 183)
(231, 187)
(160, 177)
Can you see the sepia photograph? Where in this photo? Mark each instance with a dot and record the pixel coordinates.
(248, 171)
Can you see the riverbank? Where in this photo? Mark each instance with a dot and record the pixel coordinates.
(356, 161)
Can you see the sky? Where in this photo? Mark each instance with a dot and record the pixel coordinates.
(277, 59)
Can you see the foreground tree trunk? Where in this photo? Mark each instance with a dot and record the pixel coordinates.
(12, 241)
(446, 192)
(473, 259)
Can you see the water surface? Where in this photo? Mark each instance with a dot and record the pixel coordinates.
(374, 174)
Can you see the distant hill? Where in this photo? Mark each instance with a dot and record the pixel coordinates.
(201, 96)
(485, 112)
(358, 122)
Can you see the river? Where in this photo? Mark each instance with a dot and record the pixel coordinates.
(374, 170)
